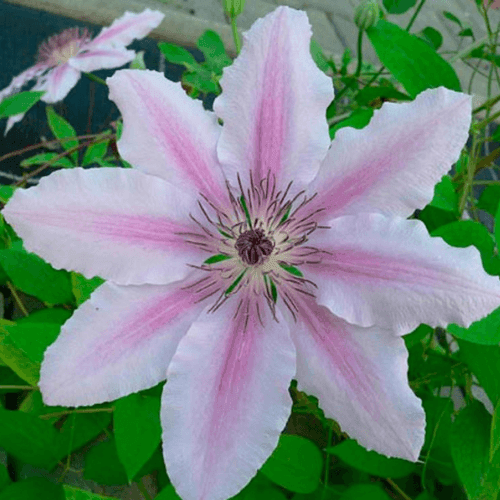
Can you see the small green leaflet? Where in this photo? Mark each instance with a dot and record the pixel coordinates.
(292, 270)
(19, 103)
(217, 258)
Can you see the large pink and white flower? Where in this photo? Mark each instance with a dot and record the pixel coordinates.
(241, 256)
(62, 58)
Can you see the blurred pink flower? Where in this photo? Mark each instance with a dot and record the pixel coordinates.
(241, 256)
(63, 57)
(495, 4)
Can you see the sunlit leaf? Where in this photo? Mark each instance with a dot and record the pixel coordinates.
(33, 488)
(19, 103)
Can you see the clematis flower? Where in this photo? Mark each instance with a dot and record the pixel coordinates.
(62, 58)
(241, 256)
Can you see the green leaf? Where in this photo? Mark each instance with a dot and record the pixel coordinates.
(62, 130)
(463, 233)
(78, 494)
(83, 287)
(201, 80)
(95, 151)
(486, 331)
(495, 432)
(213, 49)
(318, 55)
(137, 430)
(19, 103)
(452, 17)
(369, 94)
(364, 492)
(433, 36)
(470, 447)
(445, 196)
(33, 276)
(168, 493)
(178, 55)
(295, 464)
(370, 462)
(103, 465)
(484, 362)
(497, 227)
(490, 198)
(398, 6)
(4, 477)
(28, 438)
(359, 118)
(33, 488)
(42, 158)
(6, 193)
(410, 60)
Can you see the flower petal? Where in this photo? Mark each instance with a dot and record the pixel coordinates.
(273, 103)
(360, 378)
(131, 26)
(166, 133)
(119, 341)
(101, 58)
(392, 165)
(116, 223)
(226, 401)
(390, 272)
(58, 82)
(23, 78)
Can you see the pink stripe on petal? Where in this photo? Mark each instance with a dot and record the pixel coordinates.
(390, 272)
(168, 134)
(360, 378)
(392, 165)
(119, 224)
(226, 401)
(58, 82)
(120, 341)
(101, 58)
(273, 104)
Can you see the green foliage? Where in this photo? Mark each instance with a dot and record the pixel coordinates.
(63, 131)
(49, 157)
(410, 60)
(364, 492)
(398, 6)
(78, 494)
(82, 287)
(295, 464)
(33, 488)
(103, 465)
(485, 331)
(19, 103)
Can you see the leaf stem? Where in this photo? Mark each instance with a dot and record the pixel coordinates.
(96, 79)
(17, 299)
(398, 489)
(415, 14)
(236, 36)
(360, 53)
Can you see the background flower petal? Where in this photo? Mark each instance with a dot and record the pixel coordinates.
(166, 133)
(226, 401)
(392, 165)
(273, 103)
(101, 58)
(119, 341)
(390, 272)
(360, 378)
(131, 26)
(115, 223)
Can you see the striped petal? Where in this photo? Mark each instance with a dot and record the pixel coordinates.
(116, 223)
(119, 341)
(389, 272)
(226, 401)
(273, 104)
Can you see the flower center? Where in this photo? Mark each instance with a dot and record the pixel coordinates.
(60, 48)
(253, 246)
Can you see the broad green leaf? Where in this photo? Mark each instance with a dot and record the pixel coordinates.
(72, 493)
(495, 432)
(295, 464)
(4, 477)
(178, 55)
(95, 151)
(318, 56)
(470, 447)
(497, 227)
(433, 36)
(33, 488)
(137, 430)
(62, 129)
(484, 362)
(33, 276)
(445, 196)
(463, 233)
(369, 94)
(28, 438)
(83, 287)
(103, 465)
(486, 331)
(213, 49)
(168, 493)
(19, 103)
(6, 193)
(398, 6)
(411, 60)
(490, 198)
(358, 119)
(42, 158)
(371, 462)
(201, 80)
(15, 358)
(364, 492)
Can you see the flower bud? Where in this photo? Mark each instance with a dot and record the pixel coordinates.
(234, 8)
(367, 14)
